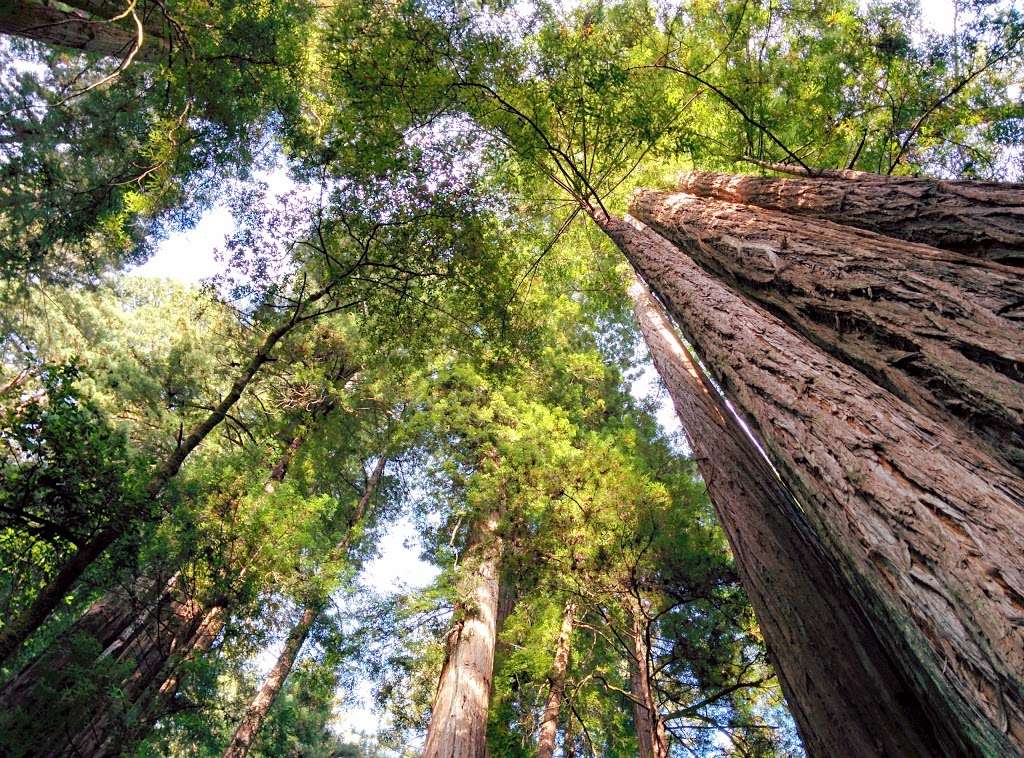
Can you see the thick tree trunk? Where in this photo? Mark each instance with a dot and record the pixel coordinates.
(78, 31)
(943, 332)
(249, 727)
(651, 735)
(20, 628)
(127, 630)
(257, 711)
(926, 528)
(458, 719)
(814, 630)
(978, 219)
(556, 689)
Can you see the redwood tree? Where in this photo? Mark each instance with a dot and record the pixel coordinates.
(941, 331)
(924, 526)
(815, 632)
(458, 717)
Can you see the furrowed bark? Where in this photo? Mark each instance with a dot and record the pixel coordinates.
(249, 727)
(651, 735)
(943, 332)
(549, 721)
(458, 719)
(19, 629)
(815, 634)
(978, 219)
(78, 31)
(130, 629)
(925, 527)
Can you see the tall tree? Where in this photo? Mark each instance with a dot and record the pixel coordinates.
(815, 633)
(939, 330)
(846, 446)
(249, 728)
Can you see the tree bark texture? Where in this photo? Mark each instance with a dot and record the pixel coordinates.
(458, 719)
(556, 689)
(78, 31)
(651, 734)
(133, 633)
(941, 331)
(978, 219)
(925, 527)
(815, 634)
(249, 727)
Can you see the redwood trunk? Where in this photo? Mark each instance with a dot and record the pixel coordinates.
(815, 634)
(651, 735)
(458, 719)
(549, 721)
(257, 711)
(79, 31)
(941, 331)
(156, 635)
(249, 728)
(979, 219)
(925, 527)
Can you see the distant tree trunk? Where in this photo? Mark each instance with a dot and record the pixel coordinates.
(943, 332)
(257, 711)
(978, 219)
(926, 529)
(249, 727)
(651, 735)
(458, 719)
(556, 687)
(815, 633)
(79, 31)
(20, 628)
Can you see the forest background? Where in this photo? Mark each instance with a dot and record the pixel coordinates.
(426, 325)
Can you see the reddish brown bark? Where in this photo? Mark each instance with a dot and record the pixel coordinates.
(556, 689)
(943, 332)
(129, 630)
(458, 718)
(79, 31)
(925, 527)
(651, 734)
(152, 637)
(978, 219)
(815, 634)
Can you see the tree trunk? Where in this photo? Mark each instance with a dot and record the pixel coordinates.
(458, 719)
(651, 735)
(978, 219)
(815, 634)
(943, 332)
(925, 527)
(257, 711)
(19, 629)
(549, 721)
(126, 629)
(78, 31)
(152, 635)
